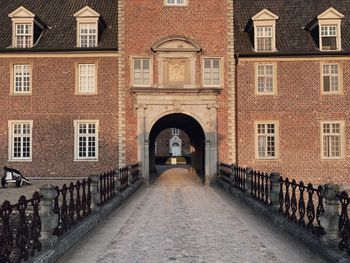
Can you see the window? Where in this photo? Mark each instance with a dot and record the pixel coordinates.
(332, 140)
(175, 131)
(142, 72)
(176, 2)
(20, 147)
(263, 38)
(331, 78)
(266, 140)
(329, 37)
(86, 140)
(23, 36)
(87, 78)
(21, 79)
(88, 34)
(211, 72)
(265, 79)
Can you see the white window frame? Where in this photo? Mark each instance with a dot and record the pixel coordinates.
(80, 83)
(22, 76)
(176, 2)
(328, 26)
(76, 140)
(341, 134)
(18, 35)
(175, 131)
(11, 147)
(142, 71)
(211, 59)
(331, 75)
(273, 76)
(91, 25)
(267, 134)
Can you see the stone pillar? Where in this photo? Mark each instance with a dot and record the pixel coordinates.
(117, 181)
(208, 177)
(248, 181)
(330, 219)
(213, 145)
(275, 192)
(146, 162)
(95, 193)
(141, 135)
(49, 220)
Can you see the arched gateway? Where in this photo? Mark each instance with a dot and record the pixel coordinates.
(178, 99)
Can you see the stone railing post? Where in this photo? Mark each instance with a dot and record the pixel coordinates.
(248, 181)
(233, 173)
(330, 219)
(95, 193)
(275, 192)
(218, 174)
(117, 181)
(129, 175)
(49, 220)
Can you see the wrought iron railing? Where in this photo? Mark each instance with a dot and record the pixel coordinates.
(20, 228)
(224, 172)
(107, 186)
(135, 172)
(344, 223)
(72, 205)
(123, 178)
(261, 186)
(239, 179)
(302, 204)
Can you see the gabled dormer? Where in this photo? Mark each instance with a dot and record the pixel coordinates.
(88, 27)
(326, 30)
(264, 31)
(26, 28)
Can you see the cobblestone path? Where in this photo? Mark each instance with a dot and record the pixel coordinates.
(179, 220)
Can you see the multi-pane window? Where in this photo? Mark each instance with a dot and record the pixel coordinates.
(175, 2)
(87, 78)
(86, 140)
(329, 37)
(88, 34)
(332, 140)
(264, 38)
(20, 140)
(211, 74)
(21, 79)
(175, 131)
(331, 78)
(265, 79)
(23, 35)
(142, 72)
(266, 140)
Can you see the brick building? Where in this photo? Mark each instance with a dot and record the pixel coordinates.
(258, 83)
(172, 142)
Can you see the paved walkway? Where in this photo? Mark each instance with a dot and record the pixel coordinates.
(178, 219)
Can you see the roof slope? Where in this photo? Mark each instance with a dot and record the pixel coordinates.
(57, 15)
(294, 16)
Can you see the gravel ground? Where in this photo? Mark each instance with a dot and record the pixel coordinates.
(13, 193)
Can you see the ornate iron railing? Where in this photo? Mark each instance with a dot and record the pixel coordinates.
(302, 204)
(239, 179)
(224, 172)
(20, 228)
(261, 186)
(107, 186)
(123, 178)
(135, 172)
(72, 205)
(344, 223)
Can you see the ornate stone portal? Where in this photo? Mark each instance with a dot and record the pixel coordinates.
(177, 93)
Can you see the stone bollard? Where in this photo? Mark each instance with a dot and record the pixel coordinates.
(49, 220)
(248, 181)
(330, 219)
(95, 193)
(275, 192)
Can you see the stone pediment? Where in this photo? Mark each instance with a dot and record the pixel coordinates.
(21, 12)
(176, 44)
(264, 15)
(86, 12)
(331, 13)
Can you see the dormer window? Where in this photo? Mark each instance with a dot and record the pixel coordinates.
(87, 27)
(264, 24)
(326, 30)
(26, 28)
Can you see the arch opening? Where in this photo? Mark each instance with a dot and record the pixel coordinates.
(194, 155)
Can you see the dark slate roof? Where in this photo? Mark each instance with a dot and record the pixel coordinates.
(294, 16)
(57, 15)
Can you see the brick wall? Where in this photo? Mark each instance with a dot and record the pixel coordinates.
(299, 107)
(163, 145)
(53, 107)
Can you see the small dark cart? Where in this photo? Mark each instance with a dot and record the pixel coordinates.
(13, 176)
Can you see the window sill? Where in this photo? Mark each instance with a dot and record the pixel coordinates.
(86, 94)
(86, 160)
(20, 94)
(19, 160)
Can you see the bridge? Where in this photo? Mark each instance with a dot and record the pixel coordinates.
(114, 217)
